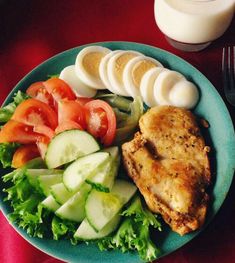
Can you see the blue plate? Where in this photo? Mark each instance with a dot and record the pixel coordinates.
(220, 137)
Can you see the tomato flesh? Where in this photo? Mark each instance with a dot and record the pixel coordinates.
(14, 131)
(24, 154)
(100, 124)
(38, 91)
(68, 125)
(70, 110)
(59, 89)
(34, 112)
(42, 129)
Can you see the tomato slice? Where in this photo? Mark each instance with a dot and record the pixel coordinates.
(14, 131)
(59, 89)
(38, 91)
(43, 129)
(24, 154)
(70, 110)
(35, 112)
(83, 100)
(42, 144)
(68, 125)
(101, 121)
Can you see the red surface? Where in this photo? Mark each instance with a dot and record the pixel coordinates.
(32, 31)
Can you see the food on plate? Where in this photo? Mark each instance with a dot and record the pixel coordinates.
(68, 74)
(134, 71)
(87, 65)
(115, 68)
(74, 188)
(168, 161)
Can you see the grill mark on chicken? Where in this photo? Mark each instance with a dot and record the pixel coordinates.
(168, 162)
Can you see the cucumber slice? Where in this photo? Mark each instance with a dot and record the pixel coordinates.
(77, 172)
(123, 190)
(74, 208)
(46, 181)
(50, 203)
(32, 174)
(86, 232)
(102, 207)
(104, 179)
(60, 193)
(68, 146)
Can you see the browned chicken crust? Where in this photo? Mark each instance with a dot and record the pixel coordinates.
(168, 162)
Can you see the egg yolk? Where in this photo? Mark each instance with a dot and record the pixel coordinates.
(91, 62)
(139, 69)
(121, 63)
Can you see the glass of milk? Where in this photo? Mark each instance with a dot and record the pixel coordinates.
(191, 25)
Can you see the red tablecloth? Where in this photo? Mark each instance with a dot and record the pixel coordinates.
(32, 31)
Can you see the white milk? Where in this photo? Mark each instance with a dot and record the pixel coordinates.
(193, 21)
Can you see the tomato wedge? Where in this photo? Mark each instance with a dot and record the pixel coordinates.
(59, 89)
(42, 144)
(101, 121)
(14, 131)
(38, 91)
(24, 154)
(42, 129)
(34, 112)
(70, 110)
(68, 125)
(83, 100)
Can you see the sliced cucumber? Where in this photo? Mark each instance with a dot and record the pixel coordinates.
(32, 174)
(123, 190)
(74, 208)
(86, 232)
(61, 193)
(104, 179)
(46, 181)
(35, 163)
(68, 146)
(77, 172)
(50, 203)
(102, 207)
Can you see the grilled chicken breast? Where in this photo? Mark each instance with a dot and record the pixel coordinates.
(168, 162)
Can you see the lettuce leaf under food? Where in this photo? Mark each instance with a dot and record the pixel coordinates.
(7, 111)
(134, 232)
(6, 153)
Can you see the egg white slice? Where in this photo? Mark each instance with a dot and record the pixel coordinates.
(163, 85)
(147, 84)
(115, 68)
(103, 70)
(132, 75)
(87, 65)
(80, 89)
(184, 94)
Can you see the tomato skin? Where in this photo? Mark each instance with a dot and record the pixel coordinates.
(68, 125)
(83, 100)
(59, 89)
(34, 112)
(92, 106)
(38, 91)
(24, 154)
(70, 110)
(14, 131)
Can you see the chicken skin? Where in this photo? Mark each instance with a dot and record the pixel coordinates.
(168, 161)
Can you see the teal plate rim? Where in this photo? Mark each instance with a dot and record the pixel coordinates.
(220, 136)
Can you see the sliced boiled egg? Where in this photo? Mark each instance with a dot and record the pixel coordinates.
(87, 65)
(115, 68)
(147, 84)
(163, 85)
(184, 94)
(103, 70)
(80, 89)
(134, 71)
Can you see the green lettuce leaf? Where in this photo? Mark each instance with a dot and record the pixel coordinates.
(6, 153)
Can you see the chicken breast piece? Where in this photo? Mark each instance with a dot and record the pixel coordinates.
(168, 162)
